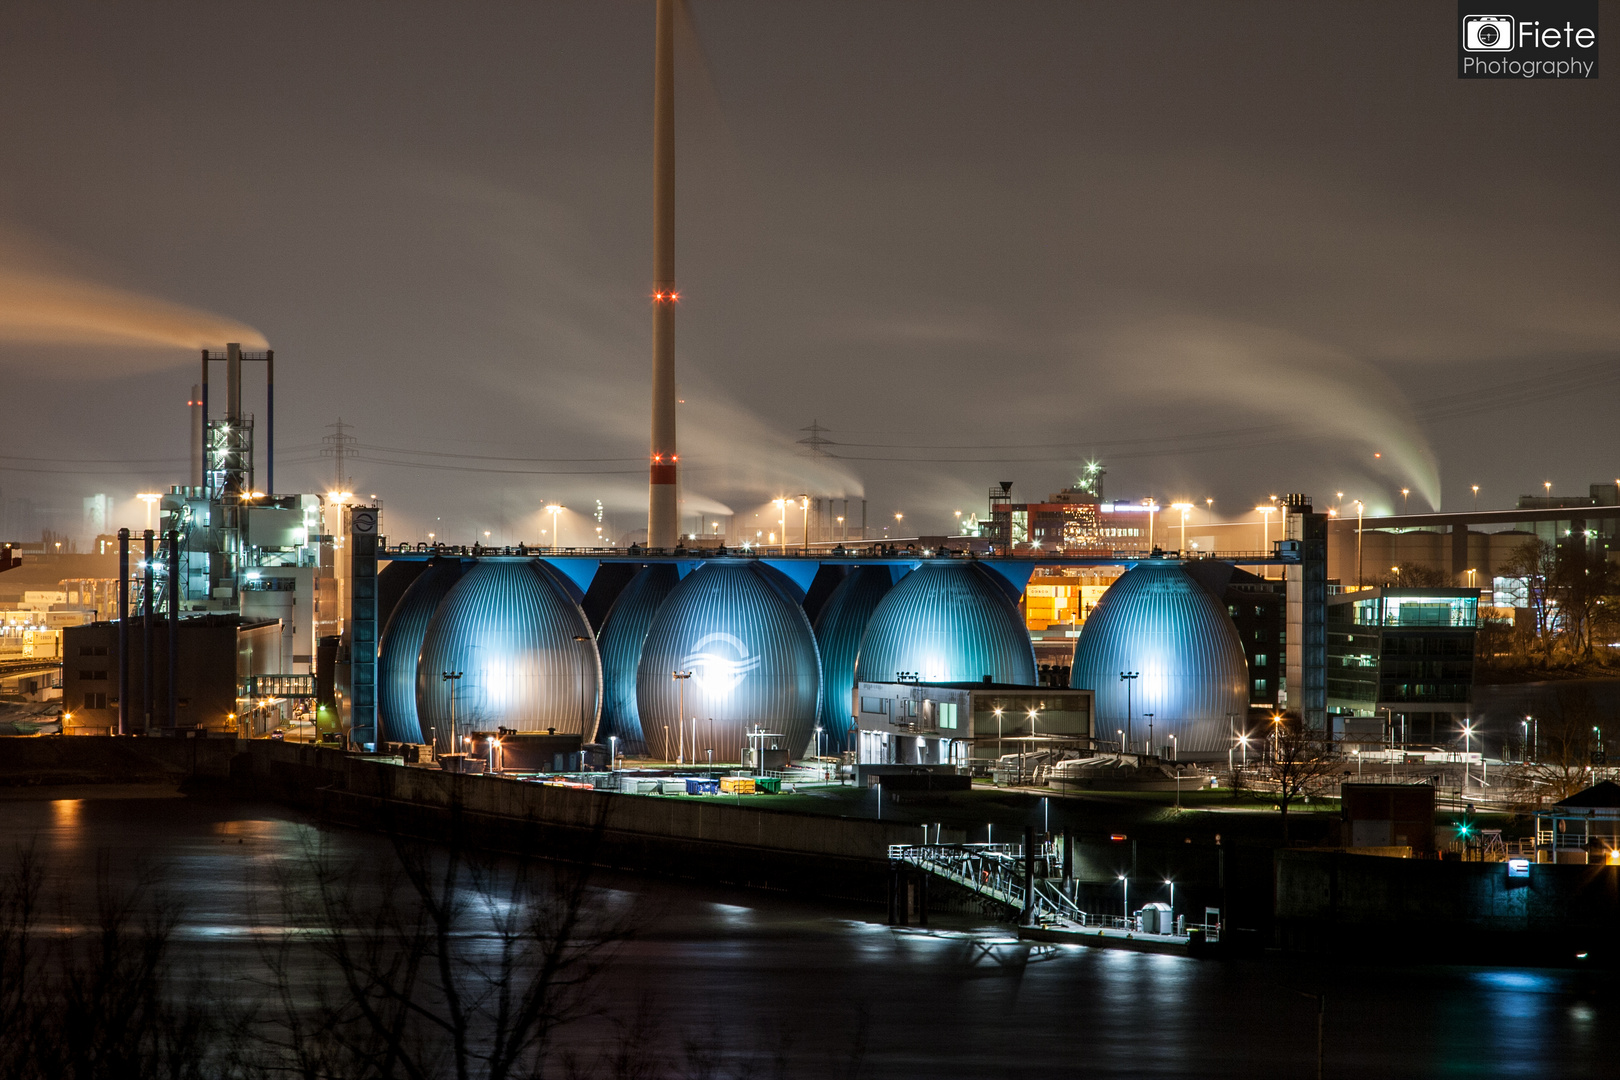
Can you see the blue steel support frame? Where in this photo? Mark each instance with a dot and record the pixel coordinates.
(363, 546)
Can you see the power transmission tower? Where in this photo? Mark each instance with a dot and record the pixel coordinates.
(339, 446)
(814, 444)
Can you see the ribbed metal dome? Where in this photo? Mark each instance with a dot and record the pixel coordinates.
(753, 661)
(526, 654)
(947, 622)
(623, 632)
(1157, 621)
(839, 626)
(401, 644)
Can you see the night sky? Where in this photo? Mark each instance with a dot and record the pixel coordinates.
(1230, 249)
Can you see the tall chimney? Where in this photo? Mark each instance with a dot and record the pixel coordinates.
(235, 471)
(662, 520)
(196, 436)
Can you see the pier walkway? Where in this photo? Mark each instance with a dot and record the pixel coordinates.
(1044, 902)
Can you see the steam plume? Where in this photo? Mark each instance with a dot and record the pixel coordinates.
(45, 308)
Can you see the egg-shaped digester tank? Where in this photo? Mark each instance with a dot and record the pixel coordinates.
(623, 632)
(401, 645)
(1157, 622)
(752, 658)
(524, 653)
(947, 622)
(839, 626)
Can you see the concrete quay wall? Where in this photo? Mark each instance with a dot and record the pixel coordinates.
(1329, 901)
(708, 838)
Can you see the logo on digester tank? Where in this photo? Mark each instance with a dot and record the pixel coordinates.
(719, 671)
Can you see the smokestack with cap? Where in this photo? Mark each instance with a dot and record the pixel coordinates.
(662, 515)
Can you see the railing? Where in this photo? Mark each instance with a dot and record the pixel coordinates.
(862, 550)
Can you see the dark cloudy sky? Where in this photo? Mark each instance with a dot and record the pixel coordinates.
(1231, 249)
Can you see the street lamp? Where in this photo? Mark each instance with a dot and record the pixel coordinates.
(1149, 717)
(148, 498)
(804, 528)
(1172, 883)
(680, 678)
(1404, 493)
(1265, 513)
(613, 753)
(1476, 498)
(556, 537)
(1125, 893)
(1468, 737)
(1185, 508)
(1128, 678)
(1360, 509)
(454, 679)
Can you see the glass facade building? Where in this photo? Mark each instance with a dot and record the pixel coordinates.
(1401, 663)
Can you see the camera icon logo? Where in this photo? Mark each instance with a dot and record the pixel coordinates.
(1488, 33)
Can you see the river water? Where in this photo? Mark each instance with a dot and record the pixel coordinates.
(762, 976)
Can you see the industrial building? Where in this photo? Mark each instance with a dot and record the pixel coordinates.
(218, 678)
(1401, 663)
(956, 724)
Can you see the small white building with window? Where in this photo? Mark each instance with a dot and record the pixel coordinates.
(949, 725)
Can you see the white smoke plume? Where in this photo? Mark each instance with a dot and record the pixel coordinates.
(41, 305)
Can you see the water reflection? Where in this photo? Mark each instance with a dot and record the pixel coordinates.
(960, 998)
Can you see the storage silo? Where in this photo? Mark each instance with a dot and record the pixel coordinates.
(947, 622)
(839, 625)
(1157, 622)
(401, 645)
(524, 651)
(752, 658)
(623, 632)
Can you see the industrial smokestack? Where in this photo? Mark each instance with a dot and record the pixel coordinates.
(196, 404)
(662, 520)
(235, 474)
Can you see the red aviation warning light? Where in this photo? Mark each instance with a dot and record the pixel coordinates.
(662, 297)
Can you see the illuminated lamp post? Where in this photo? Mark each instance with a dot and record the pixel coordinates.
(804, 525)
(1404, 493)
(680, 678)
(781, 520)
(1265, 513)
(454, 679)
(1128, 678)
(556, 537)
(148, 498)
(1360, 509)
(1468, 745)
(1185, 509)
(1125, 894)
(1149, 717)
(1476, 496)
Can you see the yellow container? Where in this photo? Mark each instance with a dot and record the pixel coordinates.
(737, 785)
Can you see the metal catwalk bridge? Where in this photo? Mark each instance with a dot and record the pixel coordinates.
(1046, 903)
